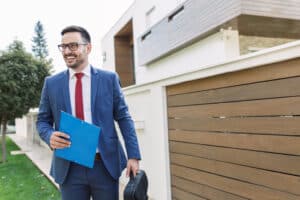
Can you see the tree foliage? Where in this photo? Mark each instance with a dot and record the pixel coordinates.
(39, 46)
(21, 81)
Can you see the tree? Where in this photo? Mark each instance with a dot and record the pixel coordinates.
(39, 47)
(21, 81)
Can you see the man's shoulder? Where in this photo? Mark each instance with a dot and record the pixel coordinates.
(57, 77)
(104, 73)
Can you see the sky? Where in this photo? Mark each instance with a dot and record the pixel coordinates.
(18, 19)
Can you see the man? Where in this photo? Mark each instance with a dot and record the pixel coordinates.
(95, 96)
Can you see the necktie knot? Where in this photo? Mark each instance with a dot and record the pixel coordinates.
(79, 75)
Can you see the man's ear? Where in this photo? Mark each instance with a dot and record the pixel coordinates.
(89, 47)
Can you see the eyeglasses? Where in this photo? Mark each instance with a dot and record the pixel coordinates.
(72, 46)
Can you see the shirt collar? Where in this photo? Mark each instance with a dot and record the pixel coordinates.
(86, 71)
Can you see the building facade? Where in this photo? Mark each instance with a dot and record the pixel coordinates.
(173, 58)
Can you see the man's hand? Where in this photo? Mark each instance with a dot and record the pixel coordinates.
(132, 165)
(59, 140)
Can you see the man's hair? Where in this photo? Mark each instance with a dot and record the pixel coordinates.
(83, 32)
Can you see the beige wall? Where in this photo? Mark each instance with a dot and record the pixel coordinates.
(250, 44)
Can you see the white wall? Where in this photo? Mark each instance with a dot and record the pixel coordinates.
(108, 49)
(162, 8)
(21, 126)
(108, 40)
(212, 50)
(147, 106)
(26, 127)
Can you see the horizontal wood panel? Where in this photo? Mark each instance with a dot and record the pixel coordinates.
(264, 5)
(263, 73)
(279, 106)
(259, 125)
(266, 143)
(275, 8)
(263, 90)
(182, 195)
(203, 190)
(237, 133)
(240, 188)
(274, 180)
(268, 161)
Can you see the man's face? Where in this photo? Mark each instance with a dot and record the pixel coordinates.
(75, 50)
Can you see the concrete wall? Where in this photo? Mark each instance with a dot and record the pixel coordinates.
(213, 49)
(21, 126)
(26, 127)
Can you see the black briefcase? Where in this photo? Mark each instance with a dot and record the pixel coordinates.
(136, 188)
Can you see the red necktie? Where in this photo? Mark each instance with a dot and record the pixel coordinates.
(78, 97)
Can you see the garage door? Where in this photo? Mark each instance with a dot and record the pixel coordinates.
(237, 135)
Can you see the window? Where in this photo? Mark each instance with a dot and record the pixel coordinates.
(176, 14)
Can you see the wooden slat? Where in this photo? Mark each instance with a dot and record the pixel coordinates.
(182, 195)
(240, 188)
(203, 190)
(274, 180)
(268, 72)
(260, 125)
(266, 143)
(263, 90)
(280, 106)
(269, 161)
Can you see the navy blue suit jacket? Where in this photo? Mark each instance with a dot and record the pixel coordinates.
(107, 106)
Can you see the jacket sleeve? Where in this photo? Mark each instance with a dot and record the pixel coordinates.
(125, 122)
(45, 118)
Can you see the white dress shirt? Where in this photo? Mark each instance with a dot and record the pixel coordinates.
(86, 93)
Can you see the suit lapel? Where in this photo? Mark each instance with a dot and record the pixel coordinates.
(94, 88)
(66, 92)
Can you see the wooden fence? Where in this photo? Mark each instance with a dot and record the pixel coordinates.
(236, 136)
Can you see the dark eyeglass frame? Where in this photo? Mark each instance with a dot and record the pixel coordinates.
(73, 46)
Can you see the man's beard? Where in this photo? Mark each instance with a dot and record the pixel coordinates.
(76, 64)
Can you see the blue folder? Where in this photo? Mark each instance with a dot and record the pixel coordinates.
(84, 140)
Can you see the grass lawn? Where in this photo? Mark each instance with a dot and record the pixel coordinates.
(21, 179)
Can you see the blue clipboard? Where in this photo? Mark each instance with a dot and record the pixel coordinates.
(84, 140)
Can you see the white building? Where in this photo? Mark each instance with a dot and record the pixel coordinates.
(158, 44)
